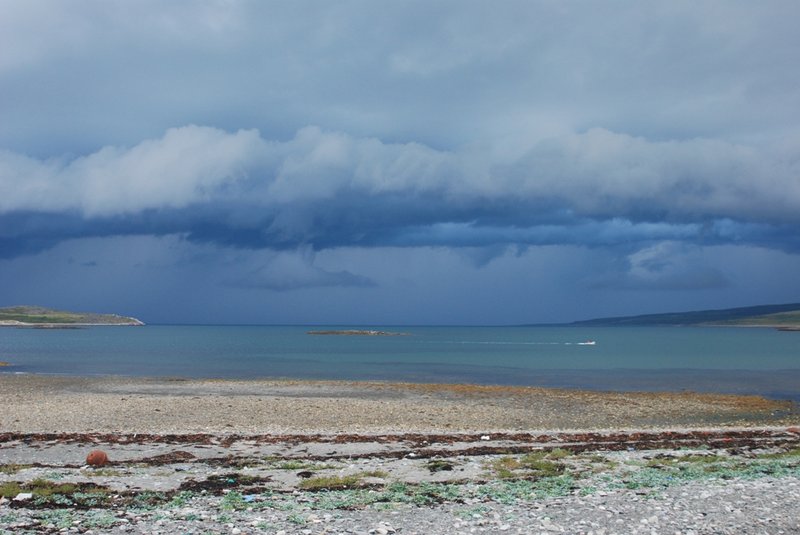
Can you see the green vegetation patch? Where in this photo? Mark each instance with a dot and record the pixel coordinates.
(47, 493)
(515, 491)
(785, 314)
(792, 453)
(99, 520)
(38, 315)
(423, 494)
(60, 518)
(513, 479)
(379, 474)
(41, 315)
(103, 472)
(233, 501)
(665, 471)
(671, 461)
(433, 493)
(782, 318)
(332, 482)
(147, 499)
(534, 465)
(439, 465)
(13, 468)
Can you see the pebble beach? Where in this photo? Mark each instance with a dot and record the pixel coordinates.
(307, 457)
(40, 403)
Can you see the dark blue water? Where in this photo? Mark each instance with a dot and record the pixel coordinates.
(738, 360)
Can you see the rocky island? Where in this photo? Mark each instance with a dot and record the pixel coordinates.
(356, 332)
(45, 318)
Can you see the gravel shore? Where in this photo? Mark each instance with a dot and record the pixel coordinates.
(32, 403)
(372, 458)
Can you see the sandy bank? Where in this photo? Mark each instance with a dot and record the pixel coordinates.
(32, 404)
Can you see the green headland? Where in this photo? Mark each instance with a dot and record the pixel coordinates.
(784, 317)
(35, 316)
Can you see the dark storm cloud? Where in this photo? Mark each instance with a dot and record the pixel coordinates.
(651, 142)
(294, 271)
(667, 265)
(328, 189)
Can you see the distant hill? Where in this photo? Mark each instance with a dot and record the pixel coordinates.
(780, 316)
(22, 316)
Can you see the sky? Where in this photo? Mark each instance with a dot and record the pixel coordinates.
(415, 162)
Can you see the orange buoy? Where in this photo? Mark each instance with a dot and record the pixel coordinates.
(96, 458)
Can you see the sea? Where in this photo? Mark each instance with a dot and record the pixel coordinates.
(758, 361)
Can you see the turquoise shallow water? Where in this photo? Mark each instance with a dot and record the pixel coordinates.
(762, 361)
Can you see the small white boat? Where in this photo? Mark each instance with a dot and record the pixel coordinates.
(587, 343)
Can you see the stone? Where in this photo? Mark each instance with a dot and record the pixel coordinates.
(97, 458)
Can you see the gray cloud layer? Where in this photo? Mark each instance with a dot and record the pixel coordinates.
(94, 73)
(330, 189)
(640, 134)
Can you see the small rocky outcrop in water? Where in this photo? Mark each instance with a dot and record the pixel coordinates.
(356, 332)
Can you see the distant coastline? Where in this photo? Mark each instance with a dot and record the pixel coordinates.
(44, 326)
(784, 317)
(35, 317)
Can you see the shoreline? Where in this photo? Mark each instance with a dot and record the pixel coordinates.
(28, 325)
(72, 404)
(297, 457)
(775, 385)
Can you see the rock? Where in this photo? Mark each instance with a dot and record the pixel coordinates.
(23, 496)
(97, 458)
